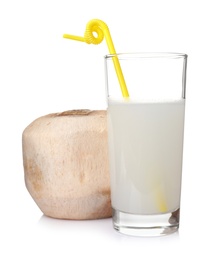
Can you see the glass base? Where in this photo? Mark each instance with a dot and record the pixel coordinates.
(146, 225)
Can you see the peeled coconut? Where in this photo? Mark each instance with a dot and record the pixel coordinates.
(66, 164)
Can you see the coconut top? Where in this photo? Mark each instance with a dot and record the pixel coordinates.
(72, 120)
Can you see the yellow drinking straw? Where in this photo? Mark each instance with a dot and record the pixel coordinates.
(101, 29)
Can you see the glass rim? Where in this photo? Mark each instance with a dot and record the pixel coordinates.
(147, 55)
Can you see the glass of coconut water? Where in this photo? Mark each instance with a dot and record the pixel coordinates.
(146, 141)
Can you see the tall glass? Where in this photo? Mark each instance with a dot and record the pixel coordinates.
(146, 141)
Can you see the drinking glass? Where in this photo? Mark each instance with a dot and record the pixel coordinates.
(145, 139)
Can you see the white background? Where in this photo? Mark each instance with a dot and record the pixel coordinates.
(41, 73)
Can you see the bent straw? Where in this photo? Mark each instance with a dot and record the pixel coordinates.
(101, 29)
